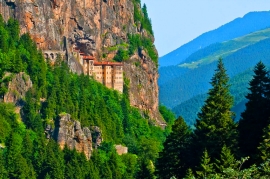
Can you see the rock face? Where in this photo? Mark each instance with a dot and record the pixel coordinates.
(17, 88)
(91, 25)
(96, 136)
(143, 91)
(95, 27)
(70, 133)
(121, 149)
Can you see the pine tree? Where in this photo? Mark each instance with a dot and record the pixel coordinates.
(189, 174)
(226, 160)
(146, 170)
(215, 126)
(206, 167)
(173, 159)
(3, 171)
(53, 164)
(264, 147)
(255, 118)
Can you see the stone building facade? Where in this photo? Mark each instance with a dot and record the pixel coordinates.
(109, 74)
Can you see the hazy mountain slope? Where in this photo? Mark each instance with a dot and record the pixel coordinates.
(211, 53)
(239, 84)
(251, 22)
(224, 49)
(196, 80)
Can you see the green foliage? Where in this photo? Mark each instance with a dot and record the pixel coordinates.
(168, 116)
(206, 167)
(215, 126)
(238, 172)
(238, 89)
(226, 160)
(137, 43)
(23, 147)
(173, 160)
(216, 132)
(121, 55)
(141, 16)
(189, 174)
(255, 117)
(134, 43)
(7, 118)
(146, 170)
(264, 147)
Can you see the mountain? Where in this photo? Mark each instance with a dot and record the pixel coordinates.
(239, 84)
(54, 115)
(223, 49)
(251, 22)
(191, 78)
(100, 29)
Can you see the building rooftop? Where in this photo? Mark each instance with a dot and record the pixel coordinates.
(85, 57)
(108, 63)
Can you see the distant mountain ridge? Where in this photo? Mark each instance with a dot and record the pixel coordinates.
(249, 23)
(223, 49)
(195, 81)
(239, 89)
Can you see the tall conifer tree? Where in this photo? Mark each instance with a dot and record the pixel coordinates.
(215, 126)
(226, 160)
(255, 117)
(173, 159)
(206, 167)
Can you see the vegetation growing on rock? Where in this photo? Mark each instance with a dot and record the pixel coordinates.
(26, 153)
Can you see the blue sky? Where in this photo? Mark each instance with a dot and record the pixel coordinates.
(176, 22)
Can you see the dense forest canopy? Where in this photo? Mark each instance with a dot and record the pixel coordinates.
(218, 147)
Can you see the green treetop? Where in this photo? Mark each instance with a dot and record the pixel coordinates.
(206, 167)
(215, 126)
(255, 117)
(173, 159)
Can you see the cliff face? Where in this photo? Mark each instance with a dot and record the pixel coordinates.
(69, 132)
(17, 87)
(97, 28)
(143, 91)
(91, 25)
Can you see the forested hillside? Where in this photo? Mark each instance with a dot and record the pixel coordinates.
(24, 150)
(219, 147)
(194, 81)
(251, 22)
(239, 83)
(224, 49)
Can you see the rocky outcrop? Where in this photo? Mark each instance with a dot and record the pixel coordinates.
(17, 87)
(91, 25)
(48, 131)
(96, 136)
(95, 27)
(143, 93)
(121, 149)
(68, 132)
